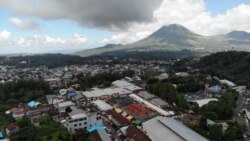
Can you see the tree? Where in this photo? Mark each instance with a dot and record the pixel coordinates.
(215, 132)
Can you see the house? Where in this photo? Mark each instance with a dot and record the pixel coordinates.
(19, 112)
(63, 105)
(169, 129)
(39, 110)
(33, 104)
(116, 119)
(12, 129)
(79, 119)
(54, 99)
(79, 99)
(134, 134)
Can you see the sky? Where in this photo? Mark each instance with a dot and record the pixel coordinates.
(41, 26)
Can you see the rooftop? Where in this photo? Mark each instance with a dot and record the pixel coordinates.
(164, 128)
(118, 119)
(136, 134)
(101, 105)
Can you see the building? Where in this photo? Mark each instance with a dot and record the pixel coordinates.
(54, 99)
(12, 129)
(169, 129)
(121, 84)
(134, 134)
(145, 95)
(139, 110)
(117, 119)
(230, 84)
(79, 119)
(152, 106)
(102, 106)
(159, 103)
(63, 105)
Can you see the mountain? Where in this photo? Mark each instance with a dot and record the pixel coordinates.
(176, 37)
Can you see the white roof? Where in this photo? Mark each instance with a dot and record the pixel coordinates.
(88, 94)
(77, 113)
(227, 82)
(121, 83)
(65, 104)
(202, 102)
(133, 88)
(97, 93)
(109, 91)
(121, 91)
(169, 129)
(101, 105)
(152, 106)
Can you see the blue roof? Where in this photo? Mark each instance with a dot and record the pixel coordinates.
(1, 135)
(96, 127)
(71, 94)
(33, 103)
(217, 87)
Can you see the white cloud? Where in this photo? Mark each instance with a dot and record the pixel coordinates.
(24, 25)
(42, 41)
(5, 36)
(78, 39)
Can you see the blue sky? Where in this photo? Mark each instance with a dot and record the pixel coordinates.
(221, 6)
(33, 31)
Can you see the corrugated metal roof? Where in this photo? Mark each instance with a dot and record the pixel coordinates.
(164, 128)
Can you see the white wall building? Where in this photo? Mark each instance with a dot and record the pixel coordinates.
(79, 119)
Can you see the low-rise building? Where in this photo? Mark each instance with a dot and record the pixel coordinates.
(79, 119)
(169, 129)
(159, 102)
(12, 129)
(102, 106)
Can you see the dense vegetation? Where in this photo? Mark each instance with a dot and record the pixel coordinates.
(49, 60)
(151, 54)
(13, 93)
(223, 109)
(48, 130)
(22, 91)
(232, 65)
(101, 80)
(167, 92)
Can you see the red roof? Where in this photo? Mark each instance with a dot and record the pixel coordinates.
(139, 110)
(136, 134)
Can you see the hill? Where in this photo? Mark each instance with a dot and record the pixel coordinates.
(176, 37)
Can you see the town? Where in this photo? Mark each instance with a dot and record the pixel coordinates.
(142, 101)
